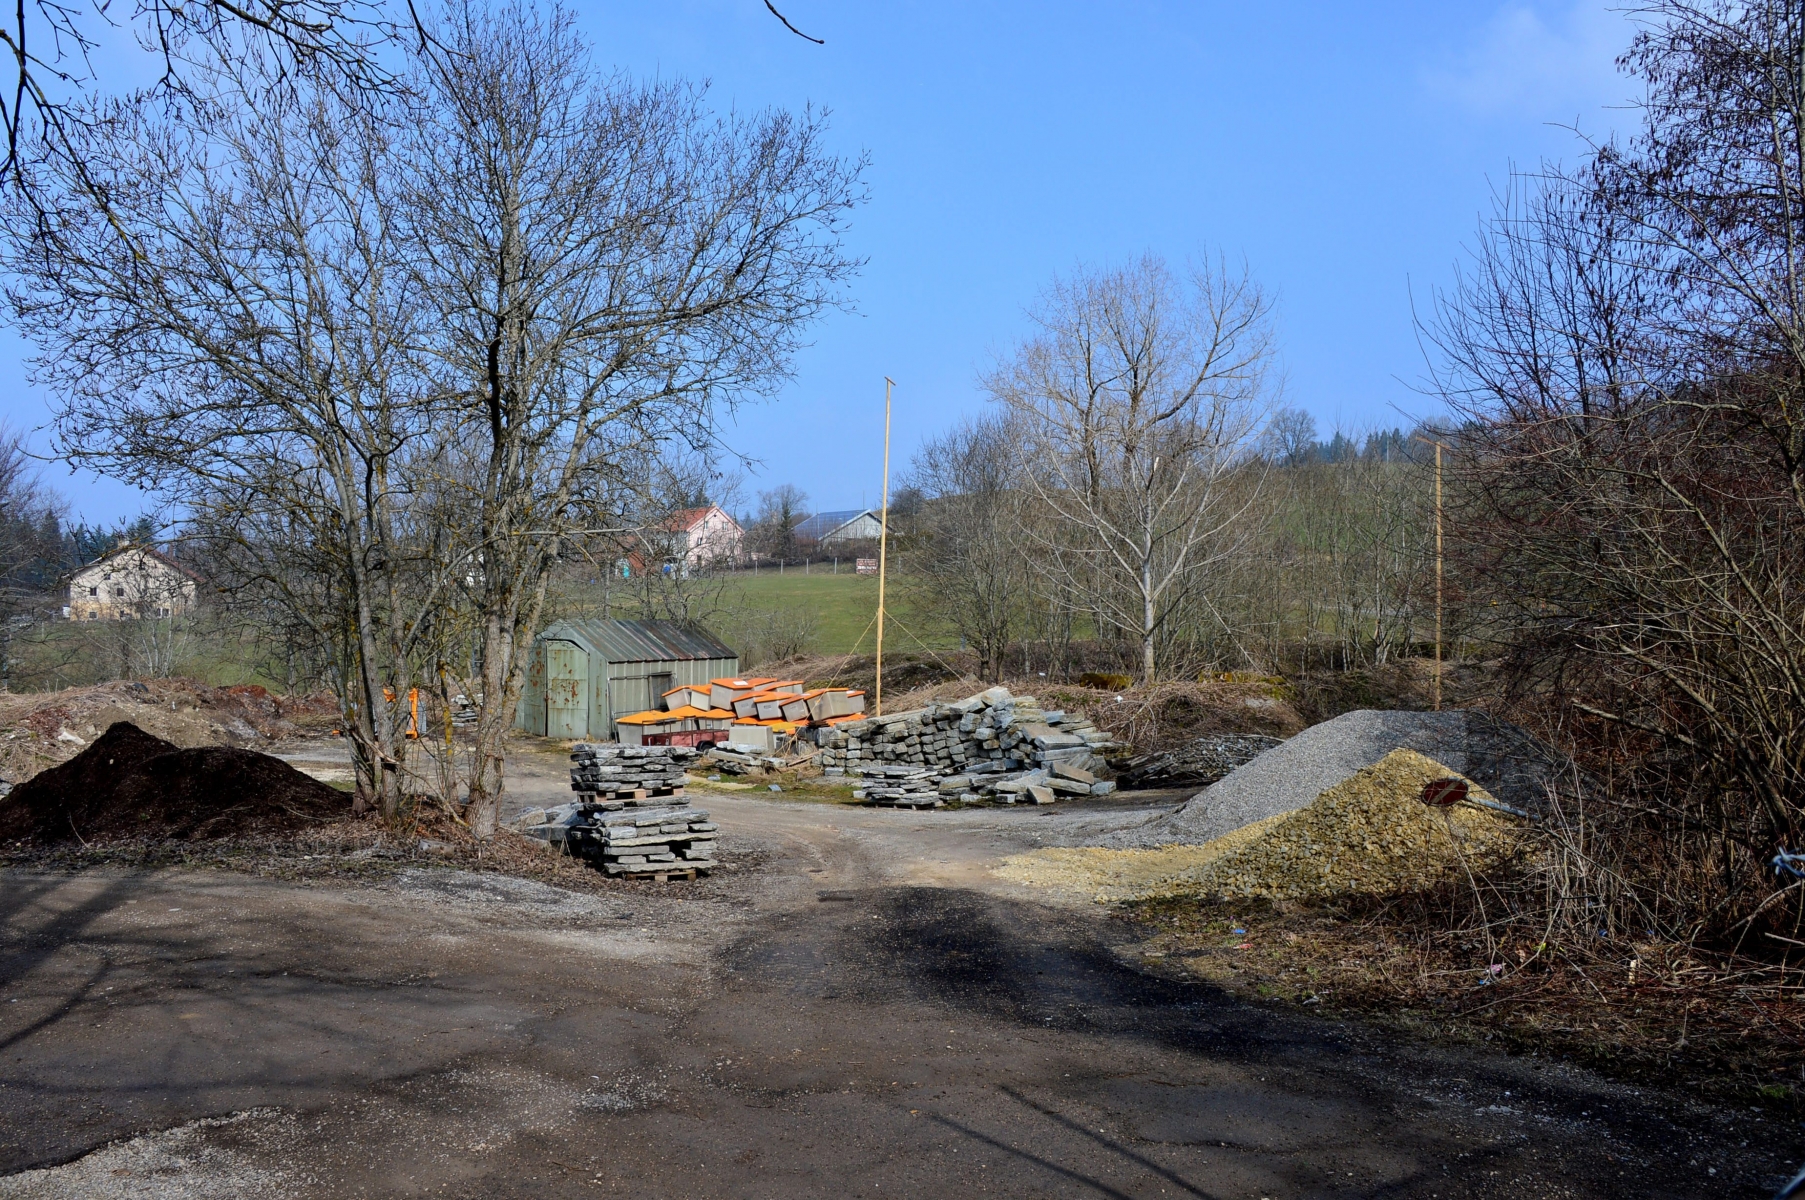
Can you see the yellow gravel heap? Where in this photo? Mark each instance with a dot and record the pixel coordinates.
(1370, 834)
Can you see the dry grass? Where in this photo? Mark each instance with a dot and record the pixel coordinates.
(1649, 1011)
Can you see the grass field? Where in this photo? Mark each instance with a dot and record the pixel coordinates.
(843, 606)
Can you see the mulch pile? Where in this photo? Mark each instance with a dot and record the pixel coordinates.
(130, 784)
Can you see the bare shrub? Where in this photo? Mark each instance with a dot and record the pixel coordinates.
(1628, 355)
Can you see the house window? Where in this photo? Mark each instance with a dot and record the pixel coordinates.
(163, 612)
(93, 614)
(93, 591)
(119, 589)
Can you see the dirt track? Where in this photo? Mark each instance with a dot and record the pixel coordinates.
(858, 1009)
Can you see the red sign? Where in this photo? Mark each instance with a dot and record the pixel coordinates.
(866, 566)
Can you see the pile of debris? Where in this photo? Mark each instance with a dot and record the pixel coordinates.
(990, 746)
(611, 772)
(1195, 764)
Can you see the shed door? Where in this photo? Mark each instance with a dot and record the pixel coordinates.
(566, 690)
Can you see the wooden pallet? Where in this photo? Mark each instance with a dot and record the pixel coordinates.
(664, 876)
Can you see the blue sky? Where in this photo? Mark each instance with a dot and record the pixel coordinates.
(1345, 152)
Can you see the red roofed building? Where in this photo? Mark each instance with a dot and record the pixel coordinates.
(706, 536)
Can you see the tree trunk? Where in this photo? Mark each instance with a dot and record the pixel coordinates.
(1147, 622)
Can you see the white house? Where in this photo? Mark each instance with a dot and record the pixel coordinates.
(128, 582)
(705, 536)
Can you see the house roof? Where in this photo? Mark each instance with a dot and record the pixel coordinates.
(688, 518)
(146, 551)
(642, 641)
(823, 524)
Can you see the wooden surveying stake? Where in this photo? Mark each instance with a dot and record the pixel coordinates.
(883, 549)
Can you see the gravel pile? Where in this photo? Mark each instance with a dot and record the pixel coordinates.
(1371, 834)
(1506, 761)
(1196, 764)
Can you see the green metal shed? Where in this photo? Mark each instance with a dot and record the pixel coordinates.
(582, 675)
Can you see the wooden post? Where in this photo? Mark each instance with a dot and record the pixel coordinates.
(1438, 577)
(1438, 569)
(883, 549)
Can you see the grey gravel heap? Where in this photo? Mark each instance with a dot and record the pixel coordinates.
(1195, 764)
(631, 837)
(628, 772)
(989, 746)
(1506, 761)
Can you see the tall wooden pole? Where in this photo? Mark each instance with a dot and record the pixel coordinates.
(883, 548)
(1438, 577)
(1438, 568)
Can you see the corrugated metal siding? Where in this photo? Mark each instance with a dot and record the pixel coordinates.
(639, 657)
(642, 641)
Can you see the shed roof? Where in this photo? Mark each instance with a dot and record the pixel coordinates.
(642, 641)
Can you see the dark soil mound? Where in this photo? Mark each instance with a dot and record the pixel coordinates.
(130, 784)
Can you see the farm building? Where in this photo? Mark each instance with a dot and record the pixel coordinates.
(705, 536)
(583, 676)
(130, 582)
(838, 528)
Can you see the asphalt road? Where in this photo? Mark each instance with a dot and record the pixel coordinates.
(856, 1010)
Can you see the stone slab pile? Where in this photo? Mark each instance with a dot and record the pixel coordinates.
(899, 786)
(1042, 785)
(612, 772)
(990, 746)
(631, 838)
(732, 758)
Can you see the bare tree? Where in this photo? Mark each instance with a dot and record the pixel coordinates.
(967, 564)
(1290, 437)
(1628, 352)
(780, 511)
(608, 262)
(1134, 402)
(234, 328)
